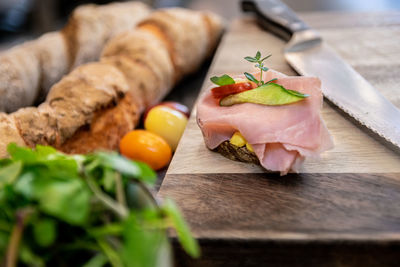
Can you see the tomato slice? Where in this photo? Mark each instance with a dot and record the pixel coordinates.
(230, 89)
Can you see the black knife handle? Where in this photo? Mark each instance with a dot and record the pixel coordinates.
(275, 16)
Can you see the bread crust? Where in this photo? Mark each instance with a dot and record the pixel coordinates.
(91, 26)
(19, 76)
(28, 71)
(187, 34)
(233, 152)
(9, 133)
(97, 103)
(107, 127)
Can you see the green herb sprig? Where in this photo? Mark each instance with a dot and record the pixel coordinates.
(83, 210)
(259, 64)
(226, 79)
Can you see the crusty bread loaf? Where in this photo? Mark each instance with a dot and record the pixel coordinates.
(19, 76)
(144, 60)
(187, 31)
(28, 71)
(9, 133)
(91, 26)
(99, 102)
(52, 51)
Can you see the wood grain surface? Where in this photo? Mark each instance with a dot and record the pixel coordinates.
(341, 210)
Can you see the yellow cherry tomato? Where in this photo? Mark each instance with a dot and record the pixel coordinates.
(147, 147)
(166, 122)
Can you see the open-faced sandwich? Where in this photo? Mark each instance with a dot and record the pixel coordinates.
(265, 118)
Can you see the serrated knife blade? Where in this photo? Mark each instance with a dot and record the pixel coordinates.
(341, 84)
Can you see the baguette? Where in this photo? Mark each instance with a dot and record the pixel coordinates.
(28, 71)
(99, 102)
(188, 37)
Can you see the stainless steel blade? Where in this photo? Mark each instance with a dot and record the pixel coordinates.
(343, 86)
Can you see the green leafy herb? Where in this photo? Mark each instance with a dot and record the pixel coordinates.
(251, 77)
(260, 64)
(9, 173)
(223, 80)
(44, 231)
(83, 210)
(187, 241)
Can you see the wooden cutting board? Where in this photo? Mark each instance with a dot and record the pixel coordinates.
(343, 209)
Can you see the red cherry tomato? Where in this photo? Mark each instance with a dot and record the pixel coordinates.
(171, 104)
(230, 89)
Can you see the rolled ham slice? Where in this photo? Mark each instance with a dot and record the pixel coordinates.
(281, 136)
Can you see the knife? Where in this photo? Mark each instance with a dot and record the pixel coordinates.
(341, 84)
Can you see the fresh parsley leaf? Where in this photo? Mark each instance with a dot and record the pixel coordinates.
(125, 166)
(9, 173)
(45, 231)
(47, 157)
(72, 200)
(250, 77)
(182, 229)
(44, 151)
(138, 198)
(29, 258)
(21, 153)
(223, 80)
(67, 200)
(142, 247)
(98, 260)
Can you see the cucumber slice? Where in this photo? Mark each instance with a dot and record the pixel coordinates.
(270, 94)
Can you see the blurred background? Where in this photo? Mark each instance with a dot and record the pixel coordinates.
(34, 17)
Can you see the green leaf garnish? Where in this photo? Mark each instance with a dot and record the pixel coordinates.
(265, 57)
(259, 65)
(250, 77)
(45, 232)
(182, 229)
(223, 80)
(251, 59)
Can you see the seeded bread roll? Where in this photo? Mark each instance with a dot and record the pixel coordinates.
(28, 71)
(97, 103)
